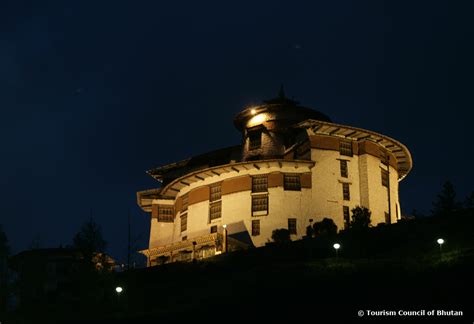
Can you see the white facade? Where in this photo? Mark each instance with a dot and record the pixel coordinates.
(320, 194)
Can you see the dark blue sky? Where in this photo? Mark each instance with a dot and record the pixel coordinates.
(94, 93)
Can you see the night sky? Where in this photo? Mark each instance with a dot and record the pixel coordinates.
(94, 93)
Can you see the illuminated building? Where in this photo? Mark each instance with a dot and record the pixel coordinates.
(294, 167)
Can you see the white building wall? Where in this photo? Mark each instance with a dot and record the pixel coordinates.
(377, 194)
(327, 197)
(161, 233)
(324, 199)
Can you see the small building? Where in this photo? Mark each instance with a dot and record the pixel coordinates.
(294, 166)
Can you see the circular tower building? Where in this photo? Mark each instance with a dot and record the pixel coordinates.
(295, 167)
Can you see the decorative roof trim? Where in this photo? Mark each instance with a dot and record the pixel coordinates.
(400, 151)
(176, 185)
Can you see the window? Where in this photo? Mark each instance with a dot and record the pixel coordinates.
(255, 140)
(387, 218)
(344, 172)
(184, 222)
(259, 205)
(291, 182)
(292, 225)
(184, 203)
(345, 148)
(260, 184)
(214, 229)
(384, 178)
(345, 191)
(256, 227)
(347, 218)
(165, 214)
(215, 210)
(215, 193)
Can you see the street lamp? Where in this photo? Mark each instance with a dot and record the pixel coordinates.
(118, 290)
(440, 241)
(336, 246)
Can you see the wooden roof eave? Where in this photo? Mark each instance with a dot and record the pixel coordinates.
(176, 185)
(400, 151)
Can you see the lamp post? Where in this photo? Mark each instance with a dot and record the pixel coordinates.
(336, 246)
(224, 243)
(118, 290)
(440, 241)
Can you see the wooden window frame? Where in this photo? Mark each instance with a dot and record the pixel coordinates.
(290, 185)
(385, 177)
(184, 225)
(346, 191)
(213, 213)
(260, 183)
(346, 216)
(254, 139)
(259, 211)
(215, 192)
(292, 226)
(344, 168)
(345, 148)
(255, 227)
(166, 217)
(184, 202)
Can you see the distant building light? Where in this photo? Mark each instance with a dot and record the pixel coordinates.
(337, 246)
(118, 289)
(440, 241)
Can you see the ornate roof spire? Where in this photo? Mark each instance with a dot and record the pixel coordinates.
(281, 92)
(281, 99)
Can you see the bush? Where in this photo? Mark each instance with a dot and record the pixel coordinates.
(360, 219)
(326, 227)
(281, 236)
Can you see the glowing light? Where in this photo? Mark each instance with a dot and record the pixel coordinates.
(336, 246)
(440, 241)
(258, 119)
(118, 289)
(225, 225)
(253, 111)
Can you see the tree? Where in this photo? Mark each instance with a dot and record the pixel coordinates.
(281, 236)
(445, 202)
(326, 227)
(4, 253)
(89, 239)
(469, 201)
(4, 247)
(360, 218)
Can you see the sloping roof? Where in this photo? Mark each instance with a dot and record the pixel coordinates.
(169, 172)
(400, 151)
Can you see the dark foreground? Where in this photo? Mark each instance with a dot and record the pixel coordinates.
(391, 269)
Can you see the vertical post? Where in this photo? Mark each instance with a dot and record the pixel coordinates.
(128, 245)
(194, 251)
(386, 162)
(224, 240)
